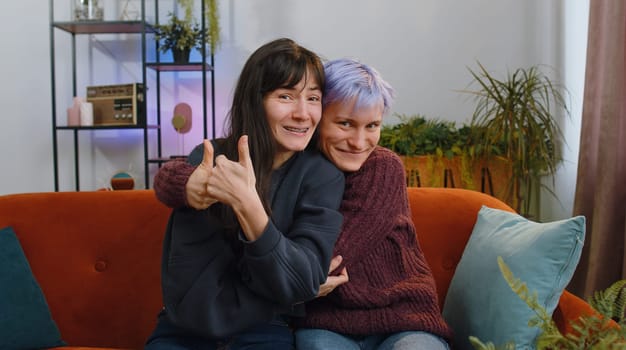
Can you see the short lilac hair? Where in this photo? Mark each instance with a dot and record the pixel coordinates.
(347, 79)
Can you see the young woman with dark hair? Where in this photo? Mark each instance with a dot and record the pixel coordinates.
(259, 241)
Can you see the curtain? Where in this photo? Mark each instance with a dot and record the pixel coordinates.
(601, 181)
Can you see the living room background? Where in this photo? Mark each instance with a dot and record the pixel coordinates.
(423, 48)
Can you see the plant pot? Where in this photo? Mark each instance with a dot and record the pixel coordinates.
(181, 56)
(487, 176)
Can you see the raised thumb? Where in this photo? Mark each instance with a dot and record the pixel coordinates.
(207, 156)
(244, 152)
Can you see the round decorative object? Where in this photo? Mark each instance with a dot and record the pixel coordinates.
(122, 181)
(181, 121)
(178, 122)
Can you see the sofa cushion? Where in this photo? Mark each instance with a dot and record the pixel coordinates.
(25, 321)
(543, 255)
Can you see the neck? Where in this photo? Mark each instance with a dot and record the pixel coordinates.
(281, 158)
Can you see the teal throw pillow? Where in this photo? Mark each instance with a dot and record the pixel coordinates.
(25, 320)
(480, 303)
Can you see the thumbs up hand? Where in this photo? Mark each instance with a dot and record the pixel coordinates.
(234, 184)
(229, 180)
(196, 187)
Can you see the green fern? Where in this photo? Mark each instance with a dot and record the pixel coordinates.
(542, 318)
(611, 302)
(477, 344)
(590, 332)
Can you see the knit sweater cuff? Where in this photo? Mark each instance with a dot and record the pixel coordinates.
(169, 183)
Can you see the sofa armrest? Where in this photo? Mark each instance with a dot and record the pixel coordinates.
(570, 308)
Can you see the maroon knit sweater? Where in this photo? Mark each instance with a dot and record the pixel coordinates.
(391, 287)
(169, 182)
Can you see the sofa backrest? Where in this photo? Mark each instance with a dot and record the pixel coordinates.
(444, 219)
(96, 256)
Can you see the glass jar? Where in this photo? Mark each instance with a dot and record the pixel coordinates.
(87, 10)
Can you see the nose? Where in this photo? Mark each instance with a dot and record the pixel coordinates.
(356, 139)
(301, 110)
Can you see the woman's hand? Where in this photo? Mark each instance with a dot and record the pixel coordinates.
(333, 281)
(234, 184)
(196, 188)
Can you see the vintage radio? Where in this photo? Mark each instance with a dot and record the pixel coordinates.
(118, 104)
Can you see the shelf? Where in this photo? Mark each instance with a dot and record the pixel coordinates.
(104, 27)
(179, 67)
(165, 159)
(140, 34)
(106, 127)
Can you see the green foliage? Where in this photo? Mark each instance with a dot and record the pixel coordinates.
(592, 332)
(611, 302)
(517, 115)
(416, 136)
(186, 33)
(477, 344)
(211, 16)
(178, 34)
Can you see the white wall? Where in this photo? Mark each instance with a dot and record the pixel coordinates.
(423, 48)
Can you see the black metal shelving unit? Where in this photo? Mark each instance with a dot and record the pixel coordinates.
(204, 67)
(142, 28)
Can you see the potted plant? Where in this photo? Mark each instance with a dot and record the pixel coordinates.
(515, 118)
(437, 153)
(181, 35)
(416, 135)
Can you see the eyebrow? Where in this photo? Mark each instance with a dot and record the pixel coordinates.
(315, 87)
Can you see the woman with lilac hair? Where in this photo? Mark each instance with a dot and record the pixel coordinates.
(380, 293)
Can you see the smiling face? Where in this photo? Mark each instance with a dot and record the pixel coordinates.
(292, 115)
(348, 136)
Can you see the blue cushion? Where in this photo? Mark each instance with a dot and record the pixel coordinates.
(543, 255)
(25, 320)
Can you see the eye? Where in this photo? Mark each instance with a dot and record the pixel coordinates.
(373, 126)
(344, 123)
(284, 97)
(315, 98)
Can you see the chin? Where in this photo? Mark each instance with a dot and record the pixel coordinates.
(348, 165)
(348, 169)
(296, 146)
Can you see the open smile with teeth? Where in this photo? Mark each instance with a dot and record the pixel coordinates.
(297, 130)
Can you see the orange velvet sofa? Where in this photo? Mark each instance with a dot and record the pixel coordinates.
(96, 255)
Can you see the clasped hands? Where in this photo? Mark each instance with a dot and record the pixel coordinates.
(224, 180)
